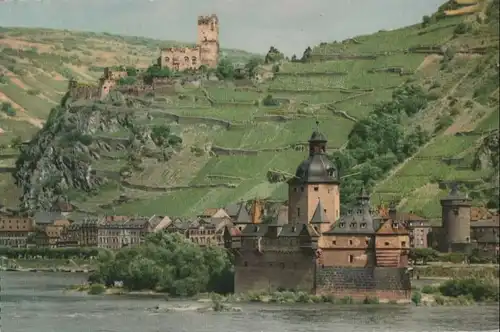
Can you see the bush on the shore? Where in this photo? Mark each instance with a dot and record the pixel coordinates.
(478, 289)
(50, 253)
(96, 289)
(430, 289)
(167, 263)
(416, 297)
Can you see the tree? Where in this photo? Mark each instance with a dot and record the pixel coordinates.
(426, 20)
(161, 136)
(252, 65)
(225, 69)
(166, 262)
(306, 56)
(422, 254)
(131, 71)
(273, 55)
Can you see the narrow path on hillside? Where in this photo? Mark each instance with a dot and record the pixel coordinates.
(438, 105)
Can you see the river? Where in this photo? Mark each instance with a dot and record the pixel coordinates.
(35, 302)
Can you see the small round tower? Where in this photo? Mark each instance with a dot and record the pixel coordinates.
(455, 216)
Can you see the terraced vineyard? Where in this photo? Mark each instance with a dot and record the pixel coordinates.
(231, 140)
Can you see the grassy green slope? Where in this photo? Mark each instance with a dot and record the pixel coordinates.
(322, 90)
(309, 96)
(35, 65)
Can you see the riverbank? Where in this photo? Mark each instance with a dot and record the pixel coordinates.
(48, 265)
(447, 270)
(452, 292)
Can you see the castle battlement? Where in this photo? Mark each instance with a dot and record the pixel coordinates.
(207, 19)
(180, 49)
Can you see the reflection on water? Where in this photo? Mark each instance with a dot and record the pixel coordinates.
(35, 302)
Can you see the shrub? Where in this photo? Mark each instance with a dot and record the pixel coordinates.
(430, 289)
(8, 109)
(479, 289)
(443, 123)
(96, 289)
(371, 300)
(439, 299)
(33, 92)
(346, 300)
(462, 28)
(416, 297)
(426, 20)
(270, 101)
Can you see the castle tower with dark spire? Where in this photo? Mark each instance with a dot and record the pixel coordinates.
(315, 184)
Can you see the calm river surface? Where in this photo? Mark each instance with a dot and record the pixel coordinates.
(34, 302)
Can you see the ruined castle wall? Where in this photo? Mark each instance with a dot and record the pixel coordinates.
(358, 282)
(273, 271)
(84, 92)
(180, 58)
(210, 54)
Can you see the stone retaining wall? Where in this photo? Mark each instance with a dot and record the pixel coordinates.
(360, 282)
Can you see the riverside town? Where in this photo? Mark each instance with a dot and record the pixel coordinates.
(358, 172)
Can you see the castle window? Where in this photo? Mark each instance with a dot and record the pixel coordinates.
(245, 263)
(363, 225)
(403, 244)
(367, 242)
(302, 189)
(350, 242)
(334, 242)
(352, 225)
(282, 265)
(167, 59)
(350, 258)
(316, 188)
(298, 212)
(341, 225)
(186, 59)
(324, 210)
(387, 243)
(467, 239)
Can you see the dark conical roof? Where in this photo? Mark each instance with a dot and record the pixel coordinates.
(319, 216)
(455, 195)
(317, 136)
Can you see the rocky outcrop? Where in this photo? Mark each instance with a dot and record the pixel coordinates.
(61, 156)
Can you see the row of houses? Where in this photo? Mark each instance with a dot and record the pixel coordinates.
(56, 229)
(212, 227)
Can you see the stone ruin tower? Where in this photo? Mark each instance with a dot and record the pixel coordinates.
(456, 208)
(208, 40)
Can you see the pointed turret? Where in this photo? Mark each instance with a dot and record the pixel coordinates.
(319, 216)
(242, 217)
(363, 198)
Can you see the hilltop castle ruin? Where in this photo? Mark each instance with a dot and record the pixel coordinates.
(206, 51)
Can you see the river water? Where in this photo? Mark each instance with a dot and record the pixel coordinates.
(35, 302)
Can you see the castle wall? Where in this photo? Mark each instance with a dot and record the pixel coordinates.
(84, 92)
(180, 58)
(273, 271)
(348, 250)
(389, 284)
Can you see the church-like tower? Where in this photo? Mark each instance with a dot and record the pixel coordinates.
(315, 186)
